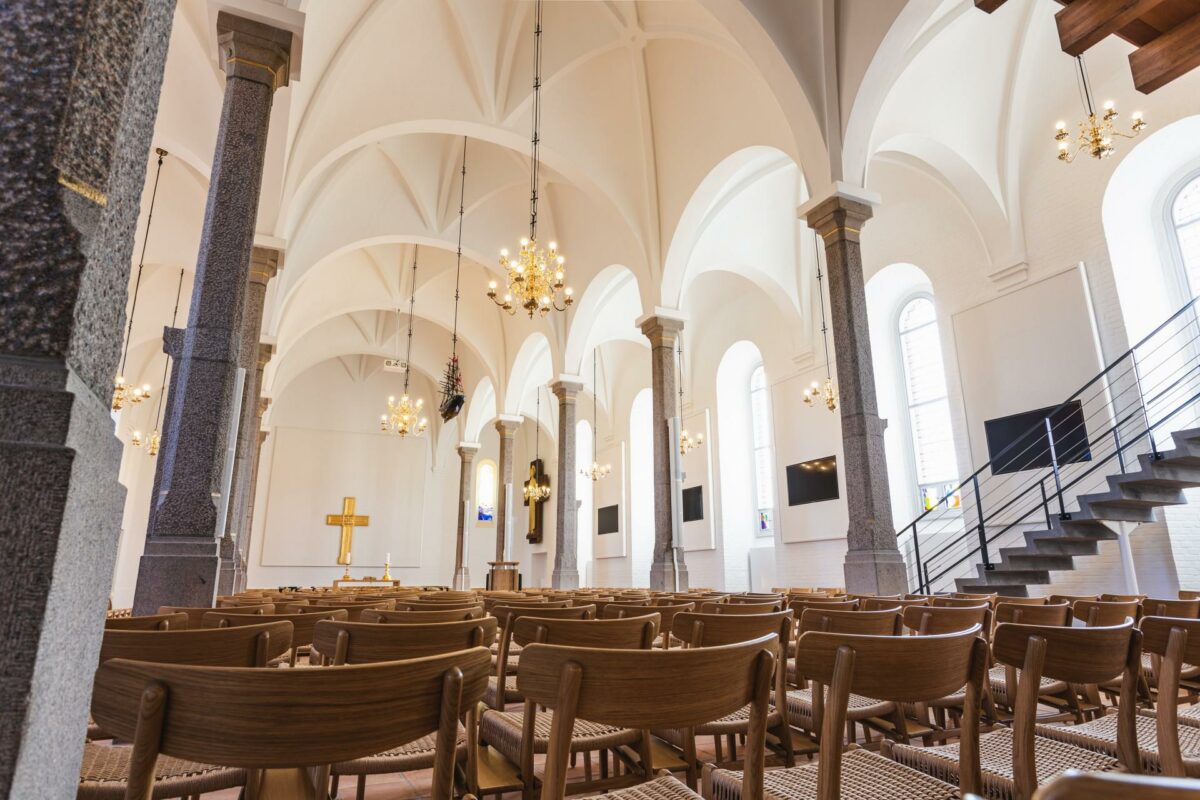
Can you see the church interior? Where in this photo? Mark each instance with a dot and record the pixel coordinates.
(665, 399)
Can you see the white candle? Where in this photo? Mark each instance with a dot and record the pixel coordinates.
(388, 558)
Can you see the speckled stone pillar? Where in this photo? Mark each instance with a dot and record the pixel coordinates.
(663, 329)
(566, 512)
(264, 264)
(264, 356)
(873, 561)
(79, 88)
(506, 426)
(180, 562)
(462, 574)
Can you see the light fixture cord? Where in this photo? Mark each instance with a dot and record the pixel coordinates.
(137, 284)
(1085, 86)
(679, 371)
(821, 302)
(462, 195)
(167, 364)
(412, 302)
(537, 429)
(535, 143)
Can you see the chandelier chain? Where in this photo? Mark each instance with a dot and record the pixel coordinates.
(462, 207)
(412, 303)
(821, 302)
(137, 284)
(535, 141)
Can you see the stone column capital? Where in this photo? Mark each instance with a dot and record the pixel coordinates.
(467, 451)
(662, 327)
(253, 50)
(265, 353)
(507, 424)
(263, 404)
(264, 264)
(840, 212)
(566, 388)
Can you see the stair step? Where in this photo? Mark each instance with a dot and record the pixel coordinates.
(1081, 525)
(970, 586)
(1022, 558)
(1002, 575)
(1147, 487)
(1108, 507)
(1062, 545)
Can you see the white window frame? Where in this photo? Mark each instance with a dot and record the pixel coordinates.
(769, 447)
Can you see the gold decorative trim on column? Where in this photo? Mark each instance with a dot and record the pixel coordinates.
(84, 190)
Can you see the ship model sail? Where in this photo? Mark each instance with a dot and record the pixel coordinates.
(452, 391)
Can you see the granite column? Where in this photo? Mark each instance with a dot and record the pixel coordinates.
(79, 89)
(260, 436)
(667, 568)
(180, 563)
(873, 560)
(462, 574)
(264, 264)
(506, 426)
(566, 512)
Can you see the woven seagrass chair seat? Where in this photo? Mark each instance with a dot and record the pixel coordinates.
(1051, 757)
(666, 788)
(800, 710)
(865, 776)
(104, 775)
(730, 723)
(1100, 735)
(511, 695)
(998, 682)
(417, 754)
(502, 730)
(1190, 715)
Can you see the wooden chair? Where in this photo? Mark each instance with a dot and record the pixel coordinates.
(502, 688)
(1071, 598)
(666, 611)
(1122, 598)
(640, 690)
(955, 602)
(742, 608)
(285, 722)
(419, 617)
(1020, 601)
(150, 622)
(1013, 761)
(519, 735)
(1163, 745)
(1104, 613)
(806, 704)
(247, 646)
(899, 669)
(1189, 594)
(354, 611)
(715, 630)
(303, 625)
(196, 614)
(448, 595)
(1054, 693)
(1076, 785)
(882, 604)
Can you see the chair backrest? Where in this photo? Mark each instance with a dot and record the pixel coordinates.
(150, 622)
(302, 624)
(266, 718)
(629, 633)
(1103, 613)
(491, 602)
(1055, 599)
(945, 601)
(1189, 594)
(864, 623)
(742, 607)
(929, 620)
(752, 599)
(713, 630)
(1058, 614)
(246, 646)
(548, 610)
(448, 595)
(1091, 655)
(354, 611)
(1173, 642)
(1020, 601)
(648, 689)
(434, 605)
(1183, 609)
(340, 642)
(1121, 598)
(196, 614)
(419, 617)
(798, 607)
(903, 669)
(880, 603)
(362, 602)
(970, 596)
(1077, 785)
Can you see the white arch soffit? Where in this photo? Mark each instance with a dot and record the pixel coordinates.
(947, 166)
(811, 151)
(611, 298)
(738, 172)
(417, 372)
(533, 366)
(894, 282)
(917, 23)
(738, 363)
(775, 295)
(481, 409)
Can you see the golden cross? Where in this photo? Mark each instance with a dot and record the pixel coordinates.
(347, 521)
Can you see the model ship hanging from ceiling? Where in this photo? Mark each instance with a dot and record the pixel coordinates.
(452, 382)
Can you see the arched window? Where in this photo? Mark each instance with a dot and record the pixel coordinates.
(485, 492)
(928, 407)
(764, 452)
(1185, 222)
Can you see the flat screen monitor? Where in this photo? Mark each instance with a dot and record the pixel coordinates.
(812, 481)
(1019, 442)
(607, 519)
(693, 503)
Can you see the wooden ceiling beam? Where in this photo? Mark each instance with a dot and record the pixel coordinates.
(988, 5)
(1084, 23)
(1166, 58)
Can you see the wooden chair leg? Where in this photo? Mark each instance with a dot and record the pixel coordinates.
(362, 788)
(333, 789)
(587, 766)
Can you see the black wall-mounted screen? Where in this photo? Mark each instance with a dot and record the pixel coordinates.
(693, 503)
(607, 520)
(1019, 442)
(812, 481)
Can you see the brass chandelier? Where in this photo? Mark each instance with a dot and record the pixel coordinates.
(686, 440)
(535, 279)
(596, 471)
(404, 417)
(536, 491)
(125, 393)
(824, 392)
(1097, 132)
(155, 440)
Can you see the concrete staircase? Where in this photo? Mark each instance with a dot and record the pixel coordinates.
(1132, 497)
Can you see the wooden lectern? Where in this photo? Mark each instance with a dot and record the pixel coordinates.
(503, 576)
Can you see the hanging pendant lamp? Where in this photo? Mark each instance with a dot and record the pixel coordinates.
(596, 471)
(826, 392)
(686, 440)
(536, 491)
(155, 440)
(452, 382)
(404, 417)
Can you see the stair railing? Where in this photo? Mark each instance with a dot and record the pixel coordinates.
(1110, 422)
